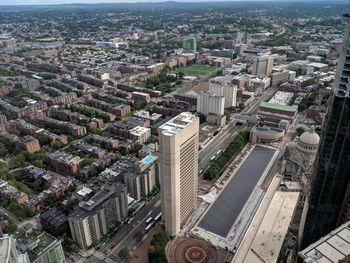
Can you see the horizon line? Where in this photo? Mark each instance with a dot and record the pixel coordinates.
(96, 2)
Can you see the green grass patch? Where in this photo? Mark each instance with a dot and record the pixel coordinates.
(156, 253)
(198, 70)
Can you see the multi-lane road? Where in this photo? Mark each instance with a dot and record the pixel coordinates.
(127, 236)
(222, 140)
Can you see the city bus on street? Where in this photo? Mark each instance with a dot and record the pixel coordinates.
(149, 220)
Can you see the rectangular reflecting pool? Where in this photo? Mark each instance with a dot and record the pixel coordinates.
(224, 211)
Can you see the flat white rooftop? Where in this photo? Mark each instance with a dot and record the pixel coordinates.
(177, 123)
(329, 249)
(318, 65)
(273, 229)
(138, 130)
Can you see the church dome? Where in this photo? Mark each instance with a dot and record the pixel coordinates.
(310, 137)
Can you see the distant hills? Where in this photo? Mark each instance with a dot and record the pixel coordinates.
(149, 2)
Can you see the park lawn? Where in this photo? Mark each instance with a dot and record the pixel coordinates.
(198, 70)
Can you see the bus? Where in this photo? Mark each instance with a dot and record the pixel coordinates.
(149, 220)
(148, 227)
(218, 153)
(130, 220)
(158, 216)
(212, 158)
(201, 171)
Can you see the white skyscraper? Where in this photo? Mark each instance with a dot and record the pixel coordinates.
(210, 103)
(178, 149)
(223, 86)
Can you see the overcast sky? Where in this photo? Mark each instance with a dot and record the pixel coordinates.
(45, 2)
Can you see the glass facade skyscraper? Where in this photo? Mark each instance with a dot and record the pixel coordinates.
(329, 204)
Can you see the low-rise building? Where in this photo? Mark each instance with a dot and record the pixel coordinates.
(63, 162)
(55, 221)
(279, 77)
(105, 142)
(140, 96)
(273, 112)
(153, 118)
(26, 143)
(41, 134)
(266, 134)
(140, 134)
(30, 110)
(216, 119)
(120, 110)
(68, 127)
(10, 192)
(88, 149)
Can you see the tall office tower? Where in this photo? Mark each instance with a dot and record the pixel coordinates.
(262, 65)
(329, 204)
(210, 103)
(178, 149)
(190, 44)
(223, 86)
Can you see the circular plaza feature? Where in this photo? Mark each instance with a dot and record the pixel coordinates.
(195, 254)
(191, 250)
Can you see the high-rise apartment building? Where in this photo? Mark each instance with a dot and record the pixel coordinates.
(141, 178)
(92, 219)
(262, 65)
(178, 149)
(329, 204)
(190, 44)
(210, 103)
(223, 86)
(46, 249)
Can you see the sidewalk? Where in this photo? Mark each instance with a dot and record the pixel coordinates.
(140, 254)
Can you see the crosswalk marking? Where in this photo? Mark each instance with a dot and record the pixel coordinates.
(100, 255)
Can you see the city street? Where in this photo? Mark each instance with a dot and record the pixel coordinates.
(125, 237)
(219, 142)
(222, 140)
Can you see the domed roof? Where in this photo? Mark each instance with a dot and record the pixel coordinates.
(310, 137)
